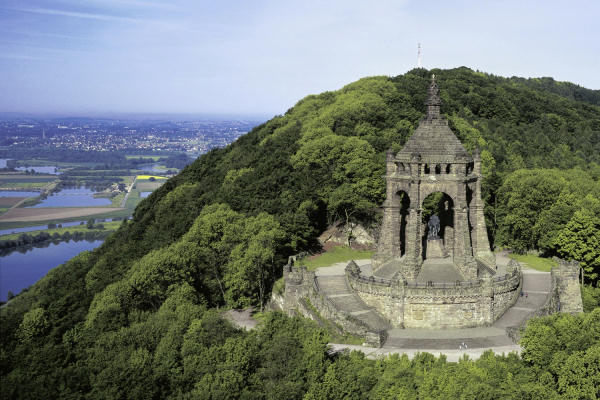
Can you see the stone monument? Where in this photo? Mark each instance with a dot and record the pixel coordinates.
(433, 160)
(433, 267)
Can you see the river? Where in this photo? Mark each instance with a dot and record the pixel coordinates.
(21, 270)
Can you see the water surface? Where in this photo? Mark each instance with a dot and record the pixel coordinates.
(18, 193)
(74, 197)
(21, 270)
(52, 170)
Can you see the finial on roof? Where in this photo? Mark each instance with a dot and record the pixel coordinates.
(433, 100)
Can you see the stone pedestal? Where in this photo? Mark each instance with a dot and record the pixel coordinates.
(435, 249)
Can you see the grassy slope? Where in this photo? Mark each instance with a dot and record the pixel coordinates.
(335, 255)
(534, 262)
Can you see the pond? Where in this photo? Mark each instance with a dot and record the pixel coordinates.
(74, 197)
(143, 195)
(20, 270)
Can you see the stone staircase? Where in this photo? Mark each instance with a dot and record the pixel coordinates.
(336, 289)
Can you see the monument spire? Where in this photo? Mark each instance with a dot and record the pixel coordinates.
(433, 102)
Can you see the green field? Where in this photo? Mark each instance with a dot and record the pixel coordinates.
(22, 181)
(109, 226)
(147, 186)
(153, 158)
(23, 185)
(335, 255)
(124, 213)
(534, 262)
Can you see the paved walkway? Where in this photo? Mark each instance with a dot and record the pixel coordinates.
(450, 342)
(451, 355)
(242, 318)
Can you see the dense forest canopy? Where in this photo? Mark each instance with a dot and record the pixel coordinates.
(136, 318)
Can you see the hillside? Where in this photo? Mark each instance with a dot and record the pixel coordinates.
(135, 318)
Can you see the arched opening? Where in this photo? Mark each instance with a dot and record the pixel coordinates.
(448, 168)
(470, 167)
(404, 210)
(438, 169)
(440, 205)
(426, 169)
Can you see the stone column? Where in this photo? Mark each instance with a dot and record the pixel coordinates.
(481, 242)
(389, 240)
(463, 251)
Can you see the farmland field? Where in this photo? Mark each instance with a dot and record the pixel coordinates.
(147, 186)
(10, 201)
(45, 214)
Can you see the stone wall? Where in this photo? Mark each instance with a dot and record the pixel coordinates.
(437, 305)
(507, 289)
(564, 296)
(568, 290)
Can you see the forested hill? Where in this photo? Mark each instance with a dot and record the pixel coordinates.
(134, 318)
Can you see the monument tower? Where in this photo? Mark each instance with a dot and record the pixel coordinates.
(433, 161)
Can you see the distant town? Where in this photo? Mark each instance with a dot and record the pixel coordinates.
(193, 137)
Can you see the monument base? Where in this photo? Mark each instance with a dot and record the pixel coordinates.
(436, 249)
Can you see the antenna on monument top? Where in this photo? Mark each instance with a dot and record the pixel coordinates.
(419, 65)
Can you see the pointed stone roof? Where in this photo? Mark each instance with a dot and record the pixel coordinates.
(433, 140)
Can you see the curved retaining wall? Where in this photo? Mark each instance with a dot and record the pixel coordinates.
(301, 285)
(438, 305)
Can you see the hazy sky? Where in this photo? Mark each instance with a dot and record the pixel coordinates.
(254, 56)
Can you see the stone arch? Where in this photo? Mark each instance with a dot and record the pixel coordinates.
(442, 204)
(438, 169)
(428, 188)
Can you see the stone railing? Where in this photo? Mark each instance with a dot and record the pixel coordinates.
(383, 286)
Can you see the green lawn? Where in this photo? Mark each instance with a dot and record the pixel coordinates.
(534, 262)
(335, 255)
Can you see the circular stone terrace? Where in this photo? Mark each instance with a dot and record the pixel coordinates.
(453, 343)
